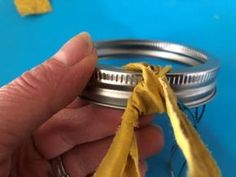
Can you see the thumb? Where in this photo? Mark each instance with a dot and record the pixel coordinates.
(33, 98)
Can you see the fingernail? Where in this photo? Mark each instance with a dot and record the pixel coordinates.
(87, 38)
(159, 127)
(75, 49)
(143, 168)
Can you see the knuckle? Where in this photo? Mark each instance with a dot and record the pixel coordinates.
(44, 77)
(40, 81)
(156, 138)
(108, 116)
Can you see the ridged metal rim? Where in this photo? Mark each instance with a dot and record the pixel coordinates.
(111, 86)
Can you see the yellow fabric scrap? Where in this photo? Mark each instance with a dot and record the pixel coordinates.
(31, 7)
(154, 95)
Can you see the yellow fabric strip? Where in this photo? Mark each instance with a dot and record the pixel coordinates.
(153, 94)
(31, 7)
(199, 160)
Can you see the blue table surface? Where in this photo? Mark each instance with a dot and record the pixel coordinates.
(203, 24)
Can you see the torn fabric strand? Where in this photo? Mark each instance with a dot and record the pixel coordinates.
(154, 95)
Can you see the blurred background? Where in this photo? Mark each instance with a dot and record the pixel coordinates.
(203, 24)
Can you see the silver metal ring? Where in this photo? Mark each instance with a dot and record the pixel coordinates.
(58, 167)
(194, 83)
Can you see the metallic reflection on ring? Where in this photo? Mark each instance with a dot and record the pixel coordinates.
(58, 167)
(194, 85)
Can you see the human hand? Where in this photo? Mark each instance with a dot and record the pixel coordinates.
(42, 118)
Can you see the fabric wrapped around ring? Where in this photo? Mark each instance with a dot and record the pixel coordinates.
(151, 95)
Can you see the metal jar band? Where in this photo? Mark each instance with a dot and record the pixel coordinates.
(194, 84)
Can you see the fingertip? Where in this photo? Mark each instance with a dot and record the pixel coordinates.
(147, 119)
(75, 49)
(150, 140)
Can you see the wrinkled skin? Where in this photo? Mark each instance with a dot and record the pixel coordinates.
(41, 117)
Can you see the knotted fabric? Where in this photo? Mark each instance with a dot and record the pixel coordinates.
(153, 94)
